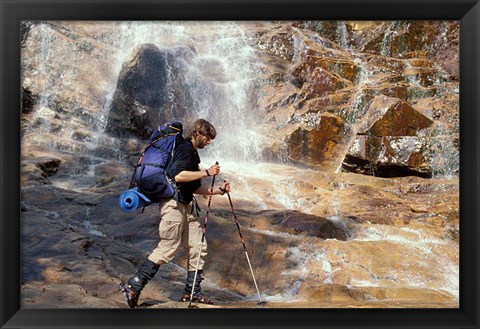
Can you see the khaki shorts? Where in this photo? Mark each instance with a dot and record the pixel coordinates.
(178, 226)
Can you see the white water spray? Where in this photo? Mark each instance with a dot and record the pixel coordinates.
(221, 71)
(221, 75)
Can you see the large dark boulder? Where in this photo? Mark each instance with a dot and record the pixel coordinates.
(145, 86)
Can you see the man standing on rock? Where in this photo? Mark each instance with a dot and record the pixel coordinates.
(179, 224)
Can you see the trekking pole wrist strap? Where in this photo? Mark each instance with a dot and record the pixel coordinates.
(208, 174)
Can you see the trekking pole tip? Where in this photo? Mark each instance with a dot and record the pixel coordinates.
(262, 303)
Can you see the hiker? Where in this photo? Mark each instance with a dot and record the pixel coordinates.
(179, 223)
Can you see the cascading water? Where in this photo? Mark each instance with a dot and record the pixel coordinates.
(343, 35)
(358, 108)
(220, 78)
(43, 63)
(222, 72)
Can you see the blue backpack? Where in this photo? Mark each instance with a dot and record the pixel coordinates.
(149, 175)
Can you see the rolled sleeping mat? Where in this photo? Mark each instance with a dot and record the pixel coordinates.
(132, 199)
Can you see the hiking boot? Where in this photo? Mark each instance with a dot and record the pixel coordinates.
(134, 286)
(197, 298)
(130, 296)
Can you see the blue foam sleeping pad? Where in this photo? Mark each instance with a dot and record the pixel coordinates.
(132, 199)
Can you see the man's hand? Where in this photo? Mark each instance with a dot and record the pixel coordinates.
(213, 170)
(225, 187)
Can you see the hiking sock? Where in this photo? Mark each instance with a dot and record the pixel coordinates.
(144, 274)
(189, 282)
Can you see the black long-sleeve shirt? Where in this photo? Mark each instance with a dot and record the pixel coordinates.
(185, 158)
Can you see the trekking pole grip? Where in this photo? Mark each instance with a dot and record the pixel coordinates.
(213, 178)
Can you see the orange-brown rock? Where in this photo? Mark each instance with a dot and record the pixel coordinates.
(400, 120)
(342, 68)
(321, 83)
(317, 146)
(317, 237)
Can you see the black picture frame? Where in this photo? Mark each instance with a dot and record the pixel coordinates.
(13, 12)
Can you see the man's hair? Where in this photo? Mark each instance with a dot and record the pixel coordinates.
(203, 127)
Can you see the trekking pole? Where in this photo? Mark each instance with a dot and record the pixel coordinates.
(201, 243)
(245, 249)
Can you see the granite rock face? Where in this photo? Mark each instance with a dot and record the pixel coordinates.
(353, 200)
(379, 81)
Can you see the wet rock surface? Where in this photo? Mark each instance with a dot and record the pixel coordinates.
(358, 205)
(377, 88)
(372, 239)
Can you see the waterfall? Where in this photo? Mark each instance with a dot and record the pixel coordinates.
(66, 118)
(75, 74)
(225, 101)
(41, 116)
(385, 46)
(220, 78)
(43, 58)
(358, 109)
(343, 35)
(75, 69)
